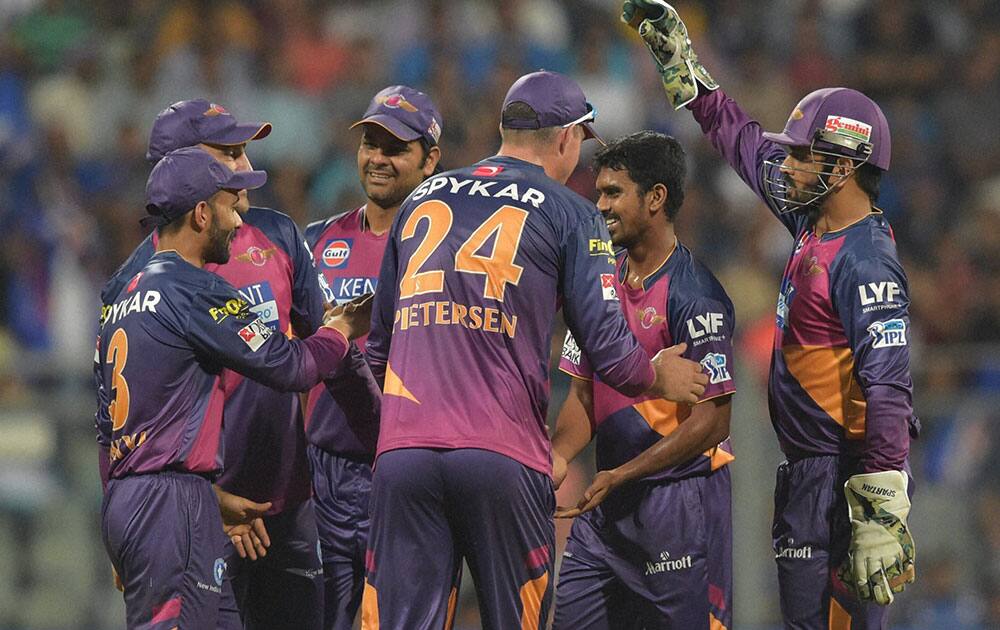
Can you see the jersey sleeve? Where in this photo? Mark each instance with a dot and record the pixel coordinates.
(738, 139)
(386, 294)
(572, 361)
(308, 294)
(592, 310)
(872, 300)
(706, 325)
(221, 328)
(102, 418)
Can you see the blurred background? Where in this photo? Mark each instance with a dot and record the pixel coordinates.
(80, 83)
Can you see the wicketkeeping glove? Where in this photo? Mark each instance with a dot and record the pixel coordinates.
(667, 38)
(880, 557)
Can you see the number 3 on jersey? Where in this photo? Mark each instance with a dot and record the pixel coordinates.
(117, 356)
(507, 224)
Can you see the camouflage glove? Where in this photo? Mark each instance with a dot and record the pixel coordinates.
(880, 557)
(667, 38)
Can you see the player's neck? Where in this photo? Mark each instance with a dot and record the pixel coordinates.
(188, 248)
(649, 254)
(378, 220)
(530, 155)
(846, 207)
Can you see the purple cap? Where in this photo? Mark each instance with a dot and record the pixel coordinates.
(406, 113)
(556, 100)
(187, 123)
(189, 175)
(838, 119)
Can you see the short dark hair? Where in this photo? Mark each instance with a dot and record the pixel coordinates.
(650, 158)
(869, 177)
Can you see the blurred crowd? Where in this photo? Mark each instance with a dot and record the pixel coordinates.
(80, 83)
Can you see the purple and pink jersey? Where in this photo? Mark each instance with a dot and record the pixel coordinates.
(165, 339)
(478, 261)
(681, 302)
(840, 377)
(349, 256)
(264, 445)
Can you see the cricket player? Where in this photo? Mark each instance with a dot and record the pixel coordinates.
(164, 341)
(840, 392)
(478, 261)
(265, 457)
(398, 151)
(653, 547)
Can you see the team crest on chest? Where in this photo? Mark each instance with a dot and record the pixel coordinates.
(256, 256)
(648, 317)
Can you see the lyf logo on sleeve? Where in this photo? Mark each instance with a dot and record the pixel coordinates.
(888, 333)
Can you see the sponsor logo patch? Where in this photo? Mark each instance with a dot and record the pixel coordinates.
(487, 171)
(255, 334)
(608, 287)
(337, 251)
(844, 126)
(571, 351)
(715, 364)
(785, 297)
(397, 101)
(235, 306)
(664, 563)
(260, 297)
(888, 334)
(219, 571)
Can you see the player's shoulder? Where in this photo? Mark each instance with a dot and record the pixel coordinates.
(870, 244)
(132, 265)
(275, 224)
(692, 281)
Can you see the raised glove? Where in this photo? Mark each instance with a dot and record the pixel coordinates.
(880, 557)
(666, 36)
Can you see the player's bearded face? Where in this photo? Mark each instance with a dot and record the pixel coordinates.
(222, 231)
(623, 208)
(389, 168)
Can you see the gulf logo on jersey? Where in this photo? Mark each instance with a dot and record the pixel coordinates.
(337, 251)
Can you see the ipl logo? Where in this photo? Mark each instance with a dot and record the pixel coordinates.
(219, 571)
(715, 364)
(888, 333)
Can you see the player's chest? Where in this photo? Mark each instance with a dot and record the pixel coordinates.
(645, 312)
(805, 299)
(263, 275)
(350, 264)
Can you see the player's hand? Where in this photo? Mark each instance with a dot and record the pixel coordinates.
(677, 379)
(604, 482)
(880, 559)
(353, 319)
(243, 523)
(249, 539)
(666, 37)
(559, 469)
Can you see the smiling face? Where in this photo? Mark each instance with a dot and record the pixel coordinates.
(626, 211)
(390, 168)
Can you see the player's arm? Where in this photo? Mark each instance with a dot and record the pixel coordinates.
(593, 315)
(733, 133)
(309, 298)
(244, 343)
(873, 304)
(575, 423)
(102, 419)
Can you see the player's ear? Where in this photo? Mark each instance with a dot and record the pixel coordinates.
(431, 161)
(656, 197)
(201, 216)
(844, 168)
